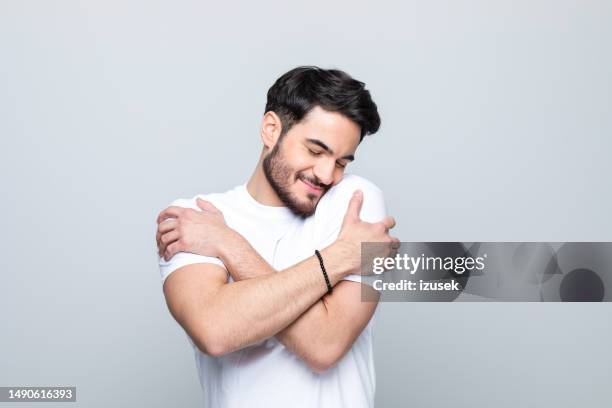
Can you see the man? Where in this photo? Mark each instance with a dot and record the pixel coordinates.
(272, 323)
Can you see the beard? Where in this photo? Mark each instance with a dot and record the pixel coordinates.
(281, 176)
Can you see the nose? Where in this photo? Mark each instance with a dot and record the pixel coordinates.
(324, 171)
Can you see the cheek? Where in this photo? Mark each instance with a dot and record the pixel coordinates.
(302, 163)
(338, 175)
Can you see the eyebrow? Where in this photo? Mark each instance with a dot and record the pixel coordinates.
(325, 147)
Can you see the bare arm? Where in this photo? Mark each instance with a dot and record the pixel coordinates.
(328, 329)
(322, 334)
(222, 317)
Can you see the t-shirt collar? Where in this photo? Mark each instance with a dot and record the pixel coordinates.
(268, 211)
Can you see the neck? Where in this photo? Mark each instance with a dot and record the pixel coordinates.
(260, 189)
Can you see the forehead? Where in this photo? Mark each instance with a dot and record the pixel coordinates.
(332, 128)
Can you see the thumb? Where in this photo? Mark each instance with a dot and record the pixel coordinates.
(354, 206)
(206, 205)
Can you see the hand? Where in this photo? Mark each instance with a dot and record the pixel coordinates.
(354, 231)
(187, 230)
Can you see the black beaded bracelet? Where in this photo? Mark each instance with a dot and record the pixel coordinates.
(329, 286)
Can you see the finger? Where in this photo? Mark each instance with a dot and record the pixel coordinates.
(167, 225)
(354, 206)
(163, 239)
(388, 222)
(158, 242)
(170, 237)
(172, 211)
(160, 245)
(171, 250)
(395, 243)
(394, 246)
(206, 205)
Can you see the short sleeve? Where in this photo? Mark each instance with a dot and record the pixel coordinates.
(373, 209)
(184, 258)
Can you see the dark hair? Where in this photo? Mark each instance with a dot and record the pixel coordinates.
(298, 91)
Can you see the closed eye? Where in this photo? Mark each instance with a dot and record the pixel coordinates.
(314, 152)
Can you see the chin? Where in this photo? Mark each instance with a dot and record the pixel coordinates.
(305, 205)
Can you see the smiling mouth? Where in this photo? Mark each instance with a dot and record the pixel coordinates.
(311, 186)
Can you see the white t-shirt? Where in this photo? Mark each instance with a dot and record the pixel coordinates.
(267, 374)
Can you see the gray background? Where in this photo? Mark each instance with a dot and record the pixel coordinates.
(496, 126)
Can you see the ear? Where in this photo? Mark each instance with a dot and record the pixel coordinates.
(271, 128)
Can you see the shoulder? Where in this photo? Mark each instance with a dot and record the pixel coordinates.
(336, 200)
(333, 205)
(217, 199)
(352, 182)
(343, 191)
